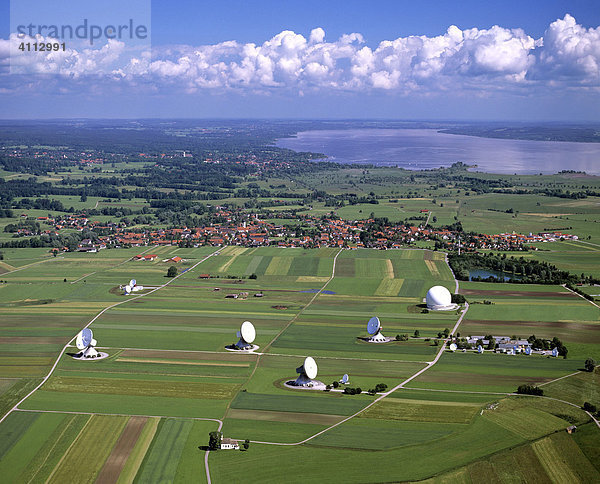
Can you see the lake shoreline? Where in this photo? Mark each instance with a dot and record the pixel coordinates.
(429, 148)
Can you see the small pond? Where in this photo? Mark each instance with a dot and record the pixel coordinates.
(485, 273)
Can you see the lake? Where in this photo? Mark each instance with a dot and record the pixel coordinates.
(417, 149)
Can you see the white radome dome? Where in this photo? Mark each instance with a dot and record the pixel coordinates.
(438, 297)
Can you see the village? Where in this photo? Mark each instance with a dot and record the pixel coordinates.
(248, 230)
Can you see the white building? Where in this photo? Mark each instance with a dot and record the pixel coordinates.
(228, 444)
(438, 298)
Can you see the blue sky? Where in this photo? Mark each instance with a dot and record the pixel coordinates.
(325, 59)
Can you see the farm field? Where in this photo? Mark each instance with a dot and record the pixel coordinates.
(168, 379)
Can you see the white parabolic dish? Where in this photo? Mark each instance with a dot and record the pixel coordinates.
(373, 325)
(310, 367)
(133, 282)
(84, 339)
(453, 347)
(248, 332)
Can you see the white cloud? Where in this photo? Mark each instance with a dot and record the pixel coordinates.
(569, 51)
(477, 59)
(316, 36)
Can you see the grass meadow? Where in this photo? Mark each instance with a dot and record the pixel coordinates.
(168, 369)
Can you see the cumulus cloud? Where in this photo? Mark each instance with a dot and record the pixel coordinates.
(485, 59)
(569, 51)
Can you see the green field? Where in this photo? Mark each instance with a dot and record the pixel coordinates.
(168, 369)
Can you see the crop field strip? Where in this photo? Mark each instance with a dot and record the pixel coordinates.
(379, 398)
(277, 415)
(88, 324)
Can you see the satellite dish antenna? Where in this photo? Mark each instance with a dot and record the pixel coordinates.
(127, 290)
(528, 350)
(555, 352)
(85, 342)
(345, 379)
(374, 329)
(453, 347)
(480, 349)
(307, 372)
(374, 325)
(133, 283)
(247, 335)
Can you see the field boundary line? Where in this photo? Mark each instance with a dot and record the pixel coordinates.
(94, 319)
(67, 451)
(307, 305)
(513, 394)
(51, 450)
(383, 395)
(84, 276)
(590, 243)
(577, 294)
(104, 270)
(252, 353)
(32, 264)
(74, 412)
(567, 403)
(348, 358)
(556, 379)
(458, 391)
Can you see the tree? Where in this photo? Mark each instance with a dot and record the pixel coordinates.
(336, 384)
(172, 272)
(588, 407)
(380, 387)
(252, 276)
(417, 334)
(214, 440)
(530, 390)
(246, 444)
(590, 364)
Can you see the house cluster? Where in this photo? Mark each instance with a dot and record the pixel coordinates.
(61, 154)
(515, 238)
(236, 227)
(504, 241)
(503, 344)
(87, 245)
